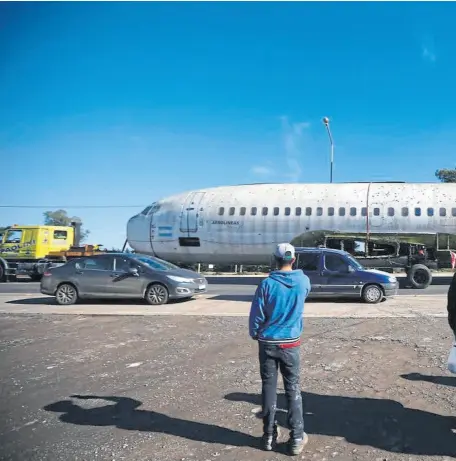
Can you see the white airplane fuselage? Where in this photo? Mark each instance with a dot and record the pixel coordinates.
(242, 224)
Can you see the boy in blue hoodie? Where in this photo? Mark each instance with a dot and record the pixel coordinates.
(276, 323)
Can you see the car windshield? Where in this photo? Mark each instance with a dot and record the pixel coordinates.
(355, 263)
(154, 263)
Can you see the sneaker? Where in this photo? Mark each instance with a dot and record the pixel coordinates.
(295, 446)
(268, 442)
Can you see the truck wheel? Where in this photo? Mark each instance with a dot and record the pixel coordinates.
(157, 294)
(2, 273)
(372, 294)
(66, 294)
(419, 276)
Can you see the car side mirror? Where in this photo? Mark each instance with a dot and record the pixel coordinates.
(133, 271)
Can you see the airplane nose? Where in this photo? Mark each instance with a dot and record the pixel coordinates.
(138, 234)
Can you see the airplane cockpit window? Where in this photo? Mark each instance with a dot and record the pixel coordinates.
(443, 212)
(331, 211)
(417, 211)
(146, 210)
(405, 212)
(430, 211)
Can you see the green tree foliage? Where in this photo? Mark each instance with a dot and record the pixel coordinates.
(61, 218)
(446, 175)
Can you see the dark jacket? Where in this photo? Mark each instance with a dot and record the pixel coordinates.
(452, 305)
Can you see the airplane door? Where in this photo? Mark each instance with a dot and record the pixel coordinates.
(190, 212)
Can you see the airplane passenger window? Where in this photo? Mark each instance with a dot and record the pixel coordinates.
(352, 211)
(221, 211)
(363, 211)
(453, 211)
(331, 211)
(308, 261)
(265, 211)
(287, 211)
(430, 211)
(341, 211)
(405, 211)
(376, 211)
(232, 211)
(308, 211)
(242, 212)
(442, 211)
(253, 211)
(390, 211)
(335, 263)
(417, 211)
(298, 211)
(276, 211)
(319, 211)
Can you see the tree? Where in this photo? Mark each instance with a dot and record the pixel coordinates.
(446, 175)
(61, 218)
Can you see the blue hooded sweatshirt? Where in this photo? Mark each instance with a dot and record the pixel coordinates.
(278, 306)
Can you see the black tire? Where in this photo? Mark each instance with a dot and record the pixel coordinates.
(2, 273)
(372, 294)
(66, 294)
(419, 276)
(157, 294)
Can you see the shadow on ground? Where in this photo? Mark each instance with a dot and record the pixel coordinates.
(124, 414)
(442, 380)
(379, 423)
(50, 301)
(249, 298)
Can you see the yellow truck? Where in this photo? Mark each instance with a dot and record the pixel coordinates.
(31, 250)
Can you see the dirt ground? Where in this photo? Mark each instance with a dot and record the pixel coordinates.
(187, 388)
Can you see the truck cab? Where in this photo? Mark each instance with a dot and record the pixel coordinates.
(335, 273)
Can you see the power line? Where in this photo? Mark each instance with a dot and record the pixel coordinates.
(72, 206)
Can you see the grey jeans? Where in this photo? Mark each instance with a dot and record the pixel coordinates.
(271, 358)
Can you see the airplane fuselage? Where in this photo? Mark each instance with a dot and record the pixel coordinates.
(242, 224)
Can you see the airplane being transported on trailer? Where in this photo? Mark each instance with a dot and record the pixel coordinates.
(241, 224)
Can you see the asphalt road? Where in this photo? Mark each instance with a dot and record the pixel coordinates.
(113, 388)
(239, 287)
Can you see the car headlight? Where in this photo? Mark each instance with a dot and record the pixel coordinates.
(179, 279)
(392, 279)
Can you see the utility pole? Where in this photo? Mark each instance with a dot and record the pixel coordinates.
(326, 122)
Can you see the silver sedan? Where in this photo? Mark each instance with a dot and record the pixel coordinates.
(121, 276)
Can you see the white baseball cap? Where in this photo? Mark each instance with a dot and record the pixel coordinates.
(285, 251)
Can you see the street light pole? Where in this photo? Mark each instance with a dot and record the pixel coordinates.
(326, 122)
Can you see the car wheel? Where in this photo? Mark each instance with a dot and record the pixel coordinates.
(66, 294)
(372, 294)
(157, 294)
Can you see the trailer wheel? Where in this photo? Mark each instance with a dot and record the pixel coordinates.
(419, 276)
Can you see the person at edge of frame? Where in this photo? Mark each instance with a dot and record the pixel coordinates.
(276, 322)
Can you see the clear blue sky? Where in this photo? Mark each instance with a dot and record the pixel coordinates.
(125, 103)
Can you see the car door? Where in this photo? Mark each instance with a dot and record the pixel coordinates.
(338, 276)
(92, 274)
(122, 283)
(309, 263)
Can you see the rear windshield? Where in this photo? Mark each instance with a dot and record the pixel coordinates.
(155, 263)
